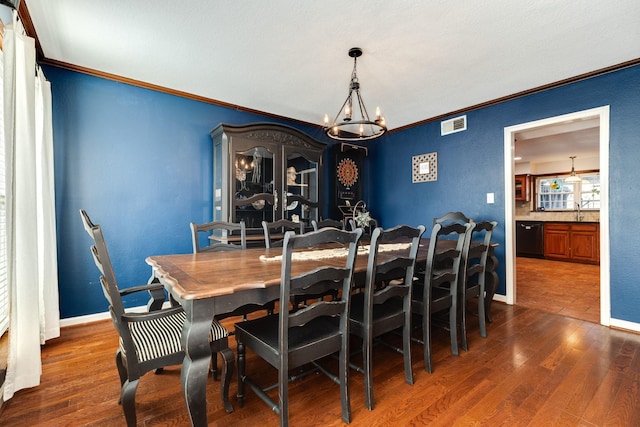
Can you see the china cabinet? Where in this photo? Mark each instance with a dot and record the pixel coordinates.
(265, 172)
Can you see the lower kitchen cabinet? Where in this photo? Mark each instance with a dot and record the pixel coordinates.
(572, 241)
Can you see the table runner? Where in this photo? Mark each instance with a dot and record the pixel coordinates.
(336, 252)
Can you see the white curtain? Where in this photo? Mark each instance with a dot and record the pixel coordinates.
(31, 229)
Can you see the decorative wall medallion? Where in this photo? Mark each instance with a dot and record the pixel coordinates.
(347, 172)
(425, 167)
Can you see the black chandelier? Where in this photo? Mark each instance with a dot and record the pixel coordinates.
(351, 128)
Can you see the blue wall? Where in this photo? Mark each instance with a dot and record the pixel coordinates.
(139, 162)
(470, 164)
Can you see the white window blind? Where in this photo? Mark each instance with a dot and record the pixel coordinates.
(4, 288)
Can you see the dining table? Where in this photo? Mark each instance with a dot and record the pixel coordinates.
(212, 283)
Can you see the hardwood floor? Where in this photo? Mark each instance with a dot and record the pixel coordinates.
(534, 369)
(565, 288)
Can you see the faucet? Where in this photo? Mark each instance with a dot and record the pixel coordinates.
(578, 212)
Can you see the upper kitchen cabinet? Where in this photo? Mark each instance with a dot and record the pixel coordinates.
(265, 172)
(522, 188)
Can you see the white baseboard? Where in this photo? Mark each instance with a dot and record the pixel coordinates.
(500, 298)
(89, 318)
(624, 324)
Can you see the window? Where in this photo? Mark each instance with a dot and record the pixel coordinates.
(556, 194)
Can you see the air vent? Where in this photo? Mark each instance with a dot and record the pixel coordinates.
(453, 125)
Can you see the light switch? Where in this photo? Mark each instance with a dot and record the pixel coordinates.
(490, 197)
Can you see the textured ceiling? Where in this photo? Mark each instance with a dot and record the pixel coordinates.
(421, 58)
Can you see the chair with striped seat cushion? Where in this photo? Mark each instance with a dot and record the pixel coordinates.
(149, 341)
(158, 337)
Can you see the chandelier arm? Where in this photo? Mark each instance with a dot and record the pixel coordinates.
(363, 110)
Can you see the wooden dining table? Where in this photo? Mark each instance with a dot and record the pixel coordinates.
(212, 283)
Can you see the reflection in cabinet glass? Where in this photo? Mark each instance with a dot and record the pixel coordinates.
(265, 172)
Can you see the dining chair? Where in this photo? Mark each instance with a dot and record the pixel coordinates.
(223, 230)
(279, 227)
(327, 223)
(290, 339)
(378, 309)
(149, 341)
(438, 292)
(450, 217)
(220, 231)
(474, 269)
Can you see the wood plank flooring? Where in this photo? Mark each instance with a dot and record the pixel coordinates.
(534, 369)
(565, 288)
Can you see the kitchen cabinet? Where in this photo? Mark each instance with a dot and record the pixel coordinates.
(265, 172)
(572, 241)
(522, 188)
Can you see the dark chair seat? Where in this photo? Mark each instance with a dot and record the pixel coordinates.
(386, 317)
(265, 330)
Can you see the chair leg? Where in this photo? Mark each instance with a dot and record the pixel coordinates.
(481, 314)
(426, 341)
(283, 396)
(406, 349)
(214, 366)
(368, 367)
(128, 399)
(122, 372)
(453, 327)
(463, 324)
(241, 373)
(345, 399)
(227, 370)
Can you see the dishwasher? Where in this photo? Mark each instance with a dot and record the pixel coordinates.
(530, 239)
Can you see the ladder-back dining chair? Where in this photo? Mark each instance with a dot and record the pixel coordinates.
(290, 339)
(219, 234)
(439, 290)
(473, 280)
(149, 341)
(323, 223)
(222, 231)
(451, 217)
(382, 309)
(279, 227)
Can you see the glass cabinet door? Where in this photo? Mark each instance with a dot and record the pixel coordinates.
(301, 189)
(254, 191)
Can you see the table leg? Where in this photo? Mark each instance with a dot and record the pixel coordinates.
(195, 368)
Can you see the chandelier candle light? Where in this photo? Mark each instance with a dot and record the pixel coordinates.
(350, 129)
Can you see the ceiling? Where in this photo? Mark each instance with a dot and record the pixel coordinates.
(580, 138)
(422, 59)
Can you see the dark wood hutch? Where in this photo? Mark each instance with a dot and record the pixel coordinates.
(265, 172)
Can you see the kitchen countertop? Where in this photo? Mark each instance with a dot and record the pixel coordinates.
(521, 218)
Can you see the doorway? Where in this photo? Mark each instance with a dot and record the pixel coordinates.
(602, 115)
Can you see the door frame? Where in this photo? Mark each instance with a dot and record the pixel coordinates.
(509, 139)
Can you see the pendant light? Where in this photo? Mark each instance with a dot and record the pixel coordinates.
(355, 124)
(573, 177)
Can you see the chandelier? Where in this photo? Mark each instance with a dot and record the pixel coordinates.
(352, 128)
